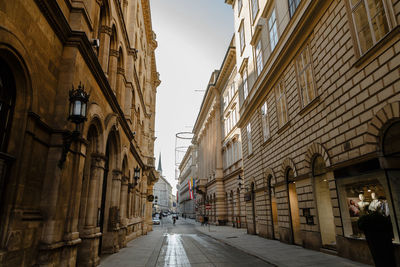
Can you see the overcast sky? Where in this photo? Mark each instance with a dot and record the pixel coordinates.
(192, 37)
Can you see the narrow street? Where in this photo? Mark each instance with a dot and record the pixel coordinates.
(179, 245)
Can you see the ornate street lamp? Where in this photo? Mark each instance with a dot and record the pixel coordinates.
(78, 100)
(78, 105)
(136, 176)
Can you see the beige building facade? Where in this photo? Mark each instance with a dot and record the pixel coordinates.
(319, 115)
(69, 194)
(187, 172)
(219, 193)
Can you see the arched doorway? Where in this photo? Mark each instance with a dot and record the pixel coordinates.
(294, 207)
(324, 204)
(107, 212)
(232, 209)
(253, 207)
(274, 209)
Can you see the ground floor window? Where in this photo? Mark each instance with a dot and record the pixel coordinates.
(361, 195)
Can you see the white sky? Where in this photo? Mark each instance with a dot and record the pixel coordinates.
(193, 37)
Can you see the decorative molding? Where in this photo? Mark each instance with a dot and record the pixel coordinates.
(312, 151)
(288, 163)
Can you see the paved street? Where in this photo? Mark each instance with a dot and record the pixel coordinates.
(189, 244)
(179, 245)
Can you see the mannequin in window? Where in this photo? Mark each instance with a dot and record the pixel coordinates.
(363, 205)
(384, 207)
(375, 203)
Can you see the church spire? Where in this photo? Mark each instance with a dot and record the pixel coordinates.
(159, 164)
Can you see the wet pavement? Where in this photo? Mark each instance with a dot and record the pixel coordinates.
(179, 245)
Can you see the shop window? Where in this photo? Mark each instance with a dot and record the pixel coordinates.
(7, 102)
(370, 18)
(361, 195)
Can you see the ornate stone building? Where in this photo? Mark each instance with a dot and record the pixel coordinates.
(187, 171)
(320, 119)
(69, 195)
(218, 142)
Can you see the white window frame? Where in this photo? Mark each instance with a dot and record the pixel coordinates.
(242, 37)
(259, 57)
(273, 30)
(245, 84)
(249, 144)
(254, 12)
(265, 121)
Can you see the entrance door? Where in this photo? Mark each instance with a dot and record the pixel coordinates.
(103, 197)
(324, 204)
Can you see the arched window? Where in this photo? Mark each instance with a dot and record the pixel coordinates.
(391, 140)
(7, 103)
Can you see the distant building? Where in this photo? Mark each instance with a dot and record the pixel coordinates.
(162, 192)
(188, 172)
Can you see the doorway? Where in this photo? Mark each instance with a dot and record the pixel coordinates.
(253, 205)
(294, 208)
(274, 209)
(324, 204)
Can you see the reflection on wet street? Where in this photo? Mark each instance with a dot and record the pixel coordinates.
(184, 246)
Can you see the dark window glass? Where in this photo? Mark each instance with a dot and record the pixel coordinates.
(293, 4)
(7, 99)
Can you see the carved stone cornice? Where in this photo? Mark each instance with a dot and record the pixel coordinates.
(105, 29)
(114, 53)
(133, 52)
(121, 71)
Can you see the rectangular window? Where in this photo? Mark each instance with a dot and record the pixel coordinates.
(232, 89)
(254, 8)
(234, 117)
(245, 85)
(273, 31)
(281, 104)
(293, 4)
(265, 121)
(305, 77)
(259, 58)
(240, 4)
(370, 21)
(241, 37)
(249, 146)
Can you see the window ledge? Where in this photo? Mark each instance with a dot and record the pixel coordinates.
(367, 55)
(268, 140)
(310, 105)
(284, 127)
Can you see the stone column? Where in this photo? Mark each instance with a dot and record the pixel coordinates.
(88, 250)
(121, 87)
(112, 70)
(122, 214)
(104, 52)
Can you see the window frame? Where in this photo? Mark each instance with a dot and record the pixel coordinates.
(265, 121)
(388, 15)
(245, 83)
(259, 56)
(278, 97)
(249, 141)
(273, 27)
(240, 5)
(299, 72)
(254, 13)
(242, 37)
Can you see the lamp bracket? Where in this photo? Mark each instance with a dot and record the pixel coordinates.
(68, 138)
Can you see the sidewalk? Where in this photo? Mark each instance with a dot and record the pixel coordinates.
(272, 251)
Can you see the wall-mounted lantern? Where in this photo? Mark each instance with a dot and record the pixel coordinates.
(136, 177)
(78, 100)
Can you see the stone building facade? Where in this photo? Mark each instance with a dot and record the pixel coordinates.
(67, 197)
(320, 121)
(162, 192)
(219, 196)
(187, 171)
